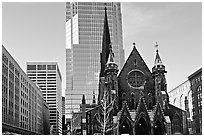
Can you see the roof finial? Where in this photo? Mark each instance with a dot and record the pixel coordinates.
(83, 99)
(156, 46)
(134, 44)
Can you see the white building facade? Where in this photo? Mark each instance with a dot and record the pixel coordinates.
(22, 101)
(48, 77)
(178, 95)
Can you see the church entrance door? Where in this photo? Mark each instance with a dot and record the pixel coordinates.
(126, 128)
(158, 128)
(141, 127)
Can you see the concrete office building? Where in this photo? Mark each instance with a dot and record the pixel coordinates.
(84, 30)
(23, 106)
(48, 77)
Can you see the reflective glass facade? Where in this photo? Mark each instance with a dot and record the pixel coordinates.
(84, 28)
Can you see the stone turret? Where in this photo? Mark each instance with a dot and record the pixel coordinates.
(158, 72)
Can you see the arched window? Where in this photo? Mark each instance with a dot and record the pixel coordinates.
(174, 101)
(95, 125)
(190, 102)
(135, 62)
(199, 93)
(176, 123)
(150, 101)
(150, 104)
(199, 89)
(181, 103)
(123, 97)
(132, 101)
(150, 95)
(132, 95)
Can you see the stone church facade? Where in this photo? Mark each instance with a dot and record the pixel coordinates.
(137, 96)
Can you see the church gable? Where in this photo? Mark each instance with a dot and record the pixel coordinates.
(134, 77)
(134, 61)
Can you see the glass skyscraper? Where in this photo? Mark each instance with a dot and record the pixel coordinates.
(84, 31)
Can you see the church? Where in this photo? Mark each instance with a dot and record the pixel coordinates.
(134, 101)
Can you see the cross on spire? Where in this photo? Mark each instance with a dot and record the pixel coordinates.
(134, 44)
(156, 46)
(157, 59)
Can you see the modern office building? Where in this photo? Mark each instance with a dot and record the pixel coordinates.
(23, 106)
(84, 33)
(48, 77)
(196, 88)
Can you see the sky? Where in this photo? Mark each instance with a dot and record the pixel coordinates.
(36, 32)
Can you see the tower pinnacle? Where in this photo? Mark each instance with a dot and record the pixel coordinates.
(157, 59)
(94, 98)
(83, 99)
(156, 46)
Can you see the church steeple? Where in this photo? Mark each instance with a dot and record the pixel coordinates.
(158, 73)
(111, 66)
(158, 65)
(106, 45)
(157, 59)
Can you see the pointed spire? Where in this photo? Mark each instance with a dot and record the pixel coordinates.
(83, 99)
(94, 98)
(110, 57)
(157, 59)
(105, 44)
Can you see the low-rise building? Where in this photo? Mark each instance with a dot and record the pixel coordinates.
(22, 101)
(188, 96)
